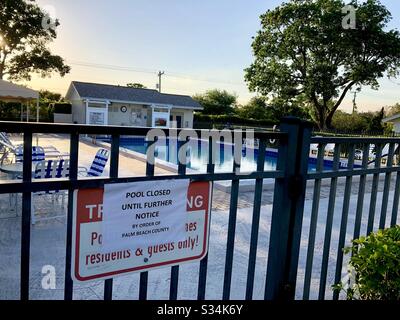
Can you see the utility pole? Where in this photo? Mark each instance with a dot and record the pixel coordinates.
(354, 101)
(160, 74)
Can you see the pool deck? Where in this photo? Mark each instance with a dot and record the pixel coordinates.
(128, 166)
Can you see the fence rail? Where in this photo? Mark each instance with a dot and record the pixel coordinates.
(368, 168)
(290, 223)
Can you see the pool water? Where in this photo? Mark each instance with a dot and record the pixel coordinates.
(198, 155)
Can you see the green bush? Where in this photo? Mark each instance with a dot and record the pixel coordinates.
(61, 107)
(375, 261)
(231, 119)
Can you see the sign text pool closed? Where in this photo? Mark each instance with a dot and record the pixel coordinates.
(139, 226)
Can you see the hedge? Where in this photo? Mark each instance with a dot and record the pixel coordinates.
(62, 107)
(231, 119)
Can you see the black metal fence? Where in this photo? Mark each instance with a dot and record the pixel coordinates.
(364, 213)
(287, 228)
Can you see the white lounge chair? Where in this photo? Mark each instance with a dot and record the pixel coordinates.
(330, 149)
(314, 148)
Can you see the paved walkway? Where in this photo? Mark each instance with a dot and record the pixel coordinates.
(246, 199)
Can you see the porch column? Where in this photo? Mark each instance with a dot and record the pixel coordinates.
(87, 111)
(153, 124)
(37, 110)
(107, 103)
(169, 118)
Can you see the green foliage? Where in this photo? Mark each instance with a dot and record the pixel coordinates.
(258, 109)
(366, 122)
(376, 263)
(217, 102)
(64, 108)
(223, 108)
(392, 110)
(48, 96)
(350, 122)
(255, 109)
(375, 124)
(213, 121)
(24, 42)
(12, 111)
(136, 85)
(303, 55)
(280, 108)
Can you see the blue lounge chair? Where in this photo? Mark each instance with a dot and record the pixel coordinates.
(38, 154)
(98, 165)
(50, 169)
(49, 151)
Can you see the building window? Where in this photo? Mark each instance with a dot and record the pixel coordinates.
(160, 122)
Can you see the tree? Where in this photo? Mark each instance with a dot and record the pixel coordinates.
(217, 102)
(392, 110)
(46, 96)
(24, 38)
(303, 52)
(344, 122)
(281, 107)
(12, 110)
(375, 124)
(365, 122)
(136, 85)
(256, 109)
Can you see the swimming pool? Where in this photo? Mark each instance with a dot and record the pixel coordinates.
(198, 155)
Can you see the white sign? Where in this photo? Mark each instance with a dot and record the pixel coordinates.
(93, 260)
(143, 213)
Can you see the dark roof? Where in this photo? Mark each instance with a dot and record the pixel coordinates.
(120, 93)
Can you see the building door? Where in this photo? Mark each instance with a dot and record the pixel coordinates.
(179, 121)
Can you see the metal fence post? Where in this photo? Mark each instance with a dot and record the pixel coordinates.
(287, 213)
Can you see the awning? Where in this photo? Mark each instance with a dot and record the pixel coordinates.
(10, 92)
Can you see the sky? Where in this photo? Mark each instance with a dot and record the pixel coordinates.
(200, 45)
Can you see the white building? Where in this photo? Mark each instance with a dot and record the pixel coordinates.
(395, 119)
(102, 104)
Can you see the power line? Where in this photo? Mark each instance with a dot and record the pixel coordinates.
(180, 76)
(110, 67)
(150, 71)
